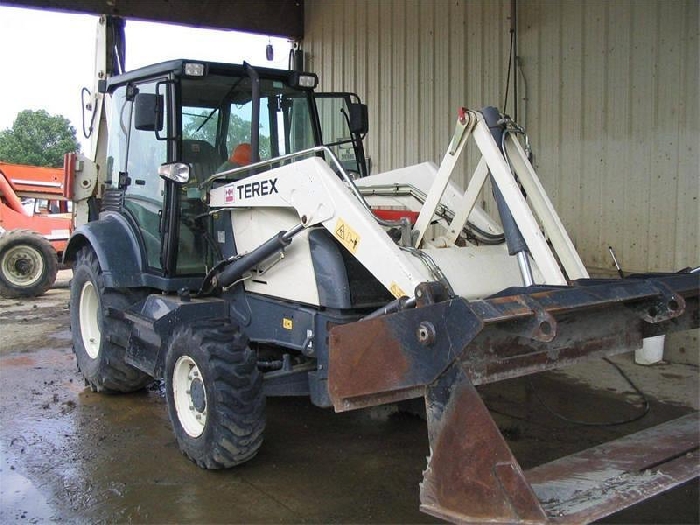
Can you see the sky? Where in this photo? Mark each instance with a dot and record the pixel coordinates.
(47, 57)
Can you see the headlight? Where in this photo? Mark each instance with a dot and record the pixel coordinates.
(303, 80)
(194, 69)
(178, 172)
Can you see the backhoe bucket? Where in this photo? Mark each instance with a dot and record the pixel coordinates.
(441, 350)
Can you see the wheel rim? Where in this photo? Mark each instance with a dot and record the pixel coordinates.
(190, 396)
(22, 265)
(89, 324)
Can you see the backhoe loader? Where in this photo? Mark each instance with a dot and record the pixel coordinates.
(299, 274)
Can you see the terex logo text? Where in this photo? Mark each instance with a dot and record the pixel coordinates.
(256, 189)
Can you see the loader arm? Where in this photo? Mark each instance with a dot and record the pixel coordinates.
(325, 196)
(320, 198)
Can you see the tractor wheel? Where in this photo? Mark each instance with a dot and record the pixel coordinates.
(99, 340)
(28, 264)
(214, 393)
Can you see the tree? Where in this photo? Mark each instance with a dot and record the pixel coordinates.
(38, 139)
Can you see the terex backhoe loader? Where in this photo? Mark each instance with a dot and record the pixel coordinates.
(298, 274)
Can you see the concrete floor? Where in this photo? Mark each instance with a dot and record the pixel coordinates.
(67, 454)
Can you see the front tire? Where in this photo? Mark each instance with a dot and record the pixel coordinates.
(99, 340)
(28, 264)
(214, 393)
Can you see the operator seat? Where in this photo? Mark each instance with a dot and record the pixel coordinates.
(202, 156)
(203, 159)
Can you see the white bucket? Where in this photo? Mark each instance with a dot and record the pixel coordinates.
(652, 350)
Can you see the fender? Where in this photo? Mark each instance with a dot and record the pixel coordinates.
(117, 248)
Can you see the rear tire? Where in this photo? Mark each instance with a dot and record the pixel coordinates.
(214, 392)
(99, 340)
(28, 264)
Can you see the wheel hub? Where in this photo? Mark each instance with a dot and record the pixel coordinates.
(88, 314)
(190, 396)
(199, 400)
(22, 265)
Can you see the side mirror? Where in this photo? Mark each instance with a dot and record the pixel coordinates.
(148, 112)
(359, 121)
(178, 172)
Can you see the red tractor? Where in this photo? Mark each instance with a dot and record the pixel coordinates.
(35, 224)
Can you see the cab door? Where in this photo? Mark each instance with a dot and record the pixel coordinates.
(144, 190)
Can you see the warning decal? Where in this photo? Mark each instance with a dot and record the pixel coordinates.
(396, 291)
(347, 236)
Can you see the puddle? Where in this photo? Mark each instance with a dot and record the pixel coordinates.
(19, 498)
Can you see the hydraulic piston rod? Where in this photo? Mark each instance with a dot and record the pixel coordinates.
(237, 269)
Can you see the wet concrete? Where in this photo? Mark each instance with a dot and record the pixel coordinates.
(70, 455)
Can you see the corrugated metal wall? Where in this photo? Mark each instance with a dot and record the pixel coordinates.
(612, 109)
(608, 91)
(413, 63)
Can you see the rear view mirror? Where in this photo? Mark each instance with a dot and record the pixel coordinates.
(148, 112)
(359, 122)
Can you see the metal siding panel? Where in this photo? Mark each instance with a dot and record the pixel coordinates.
(568, 201)
(398, 96)
(611, 103)
(661, 225)
(614, 124)
(349, 54)
(427, 80)
(456, 83)
(413, 82)
(618, 119)
(360, 62)
(456, 80)
(372, 95)
(338, 56)
(413, 139)
(544, 102)
(687, 241)
(594, 147)
(442, 111)
(384, 152)
(641, 100)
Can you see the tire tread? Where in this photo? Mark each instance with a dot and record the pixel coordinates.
(239, 403)
(114, 374)
(24, 236)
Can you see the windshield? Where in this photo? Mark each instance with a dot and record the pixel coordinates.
(217, 135)
(217, 116)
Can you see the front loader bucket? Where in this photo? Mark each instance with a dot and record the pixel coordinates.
(442, 350)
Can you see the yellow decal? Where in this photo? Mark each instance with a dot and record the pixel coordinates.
(346, 235)
(396, 290)
(287, 324)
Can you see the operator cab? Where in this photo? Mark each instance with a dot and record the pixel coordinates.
(191, 117)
